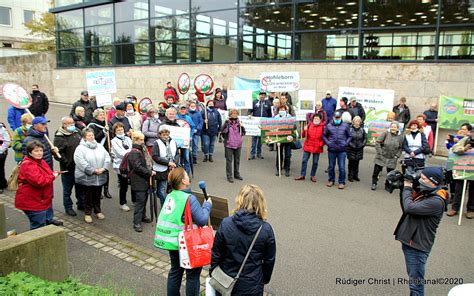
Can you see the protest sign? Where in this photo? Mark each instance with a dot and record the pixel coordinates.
(279, 81)
(306, 102)
(184, 82)
(239, 99)
(203, 84)
(375, 128)
(181, 135)
(224, 115)
(462, 165)
(15, 95)
(101, 82)
(103, 100)
(454, 111)
(143, 104)
(376, 102)
(278, 130)
(252, 84)
(251, 125)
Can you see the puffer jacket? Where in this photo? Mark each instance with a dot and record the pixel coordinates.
(14, 117)
(314, 138)
(388, 148)
(231, 243)
(214, 122)
(355, 150)
(87, 161)
(120, 147)
(197, 119)
(35, 190)
(233, 133)
(67, 143)
(337, 137)
(18, 140)
(32, 135)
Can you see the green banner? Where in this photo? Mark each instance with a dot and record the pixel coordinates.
(454, 111)
(462, 165)
(277, 130)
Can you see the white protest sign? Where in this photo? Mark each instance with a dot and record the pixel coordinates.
(101, 82)
(372, 100)
(251, 125)
(103, 100)
(224, 115)
(239, 99)
(181, 135)
(279, 81)
(306, 102)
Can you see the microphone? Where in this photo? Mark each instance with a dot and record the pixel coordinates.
(202, 185)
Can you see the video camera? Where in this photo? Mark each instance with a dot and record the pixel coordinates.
(410, 171)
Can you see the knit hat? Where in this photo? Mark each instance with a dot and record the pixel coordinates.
(435, 174)
(120, 107)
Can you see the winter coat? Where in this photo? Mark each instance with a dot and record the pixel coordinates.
(388, 149)
(35, 185)
(220, 104)
(355, 150)
(140, 172)
(79, 122)
(171, 91)
(87, 161)
(67, 143)
(150, 130)
(32, 135)
(337, 137)
(89, 108)
(18, 140)
(198, 121)
(324, 116)
(232, 133)
(329, 106)
(402, 116)
(40, 103)
(14, 117)
(214, 122)
(431, 117)
(231, 243)
(358, 110)
(124, 120)
(314, 142)
(100, 132)
(120, 147)
(261, 109)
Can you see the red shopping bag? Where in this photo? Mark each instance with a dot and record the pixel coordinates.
(195, 243)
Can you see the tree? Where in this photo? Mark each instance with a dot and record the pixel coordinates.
(44, 29)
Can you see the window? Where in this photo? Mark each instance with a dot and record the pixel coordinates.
(5, 16)
(28, 16)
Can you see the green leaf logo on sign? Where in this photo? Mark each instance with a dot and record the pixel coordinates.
(203, 83)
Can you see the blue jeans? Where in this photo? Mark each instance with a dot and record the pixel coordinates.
(184, 159)
(208, 144)
(68, 181)
(341, 163)
(195, 145)
(304, 163)
(415, 261)
(175, 276)
(256, 146)
(161, 185)
(39, 218)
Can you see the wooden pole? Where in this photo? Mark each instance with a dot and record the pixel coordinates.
(464, 187)
(279, 159)
(205, 112)
(248, 147)
(108, 132)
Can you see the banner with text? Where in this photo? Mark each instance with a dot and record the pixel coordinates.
(375, 128)
(246, 84)
(101, 82)
(239, 99)
(278, 130)
(279, 81)
(376, 102)
(251, 125)
(462, 165)
(454, 111)
(182, 135)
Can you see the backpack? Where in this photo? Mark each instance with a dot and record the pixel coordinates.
(124, 169)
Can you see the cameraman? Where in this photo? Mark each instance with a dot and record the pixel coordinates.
(416, 229)
(462, 146)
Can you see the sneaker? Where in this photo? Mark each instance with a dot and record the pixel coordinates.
(137, 228)
(124, 208)
(452, 213)
(341, 186)
(374, 186)
(313, 179)
(299, 178)
(71, 212)
(330, 184)
(88, 219)
(470, 215)
(100, 216)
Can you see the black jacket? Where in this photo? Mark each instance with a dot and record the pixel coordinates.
(420, 219)
(89, 108)
(40, 104)
(402, 115)
(261, 109)
(231, 243)
(358, 110)
(140, 174)
(67, 144)
(431, 117)
(355, 150)
(99, 131)
(124, 120)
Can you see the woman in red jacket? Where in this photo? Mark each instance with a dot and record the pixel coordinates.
(313, 145)
(35, 187)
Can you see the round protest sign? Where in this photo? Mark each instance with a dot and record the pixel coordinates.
(143, 104)
(182, 123)
(203, 83)
(184, 82)
(15, 95)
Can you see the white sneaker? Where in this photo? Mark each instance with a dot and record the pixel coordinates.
(124, 208)
(100, 216)
(88, 219)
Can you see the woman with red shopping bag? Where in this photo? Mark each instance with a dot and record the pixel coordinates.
(171, 223)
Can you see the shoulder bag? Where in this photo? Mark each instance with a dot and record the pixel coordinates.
(224, 283)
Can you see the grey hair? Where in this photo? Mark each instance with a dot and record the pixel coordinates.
(395, 122)
(97, 112)
(64, 118)
(171, 109)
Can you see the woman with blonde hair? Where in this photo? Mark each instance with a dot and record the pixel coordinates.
(233, 240)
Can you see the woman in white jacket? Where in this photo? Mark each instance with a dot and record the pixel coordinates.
(121, 144)
(92, 162)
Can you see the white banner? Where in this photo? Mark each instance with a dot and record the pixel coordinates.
(103, 100)
(181, 135)
(376, 102)
(279, 81)
(239, 99)
(306, 102)
(224, 115)
(101, 82)
(251, 125)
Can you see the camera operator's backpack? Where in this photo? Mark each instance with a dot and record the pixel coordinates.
(124, 169)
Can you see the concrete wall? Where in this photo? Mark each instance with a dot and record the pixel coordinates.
(41, 252)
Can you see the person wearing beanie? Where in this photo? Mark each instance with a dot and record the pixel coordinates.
(416, 229)
(415, 146)
(120, 110)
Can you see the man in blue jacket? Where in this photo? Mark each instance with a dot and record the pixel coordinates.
(14, 117)
(196, 116)
(212, 126)
(337, 137)
(261, 108)
(329, 105)
(417, 227)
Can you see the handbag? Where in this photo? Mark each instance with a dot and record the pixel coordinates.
(224, 283)
(295, 145)
(195, 243)
(12, 182)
